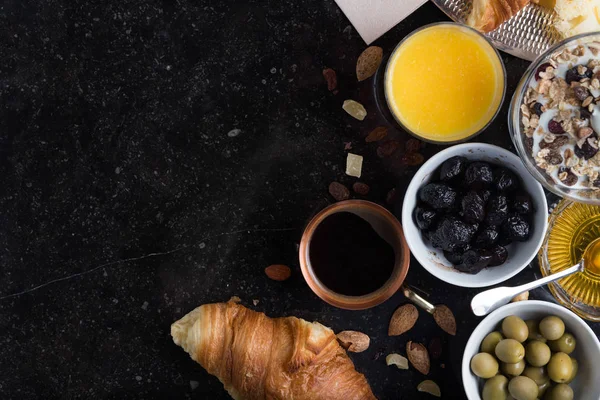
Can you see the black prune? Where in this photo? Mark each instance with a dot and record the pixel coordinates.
(505, 180)
(521, 204)
(499, 255)
(455, 257)
(472, 207)
(497, 210)
(586, 151)
(574, 75)
(425, 217)
(486, 238)
(485, 195)
(452, 167)
(474, 261)
(516, 228)
(478, 175)
(451, 234)
(503, 240)
(438, 195)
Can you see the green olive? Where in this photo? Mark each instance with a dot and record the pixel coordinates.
(560, 367)
(484, 365)
(560, 392)
(514, 327)
(495, 388)
(510, 351)
(490, 341)
(537, 353)
(543, 388)
(575, 370)
(538, 374)
(566, 344)
(534, 331)
(552, 327)
(523, 388)
(515, 369)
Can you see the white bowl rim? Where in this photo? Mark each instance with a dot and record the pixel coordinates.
(543, 306)
(461, 279)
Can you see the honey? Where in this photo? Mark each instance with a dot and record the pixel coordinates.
(575, 227)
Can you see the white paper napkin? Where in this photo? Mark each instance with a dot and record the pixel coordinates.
(373, 18)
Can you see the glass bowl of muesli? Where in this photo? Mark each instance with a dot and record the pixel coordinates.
(554, 118)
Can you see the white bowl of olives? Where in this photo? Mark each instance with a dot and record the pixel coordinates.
(531, 350)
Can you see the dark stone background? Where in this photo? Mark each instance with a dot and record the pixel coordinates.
(158, 155)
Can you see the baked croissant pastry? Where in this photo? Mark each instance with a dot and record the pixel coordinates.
(487, 15)
(257, 357)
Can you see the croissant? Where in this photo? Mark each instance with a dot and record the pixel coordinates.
(257, 357)
(487, 15)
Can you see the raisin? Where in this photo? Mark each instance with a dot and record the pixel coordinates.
(331, 79)
(438, 195)
(377, 134)
(573, 75)
(388, 148)
(338, 191)
(541, 68)
(537, 109)
(412, 146)
(555, 127)
(361, 188)
(412, 159)
(587, 151)
(558, 142)
(554, 158)
(581, 92)
(453, 167)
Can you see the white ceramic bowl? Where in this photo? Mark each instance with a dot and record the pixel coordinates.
(587, 352)
(519, 254)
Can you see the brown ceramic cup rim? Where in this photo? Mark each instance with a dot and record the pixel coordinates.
(371, 299)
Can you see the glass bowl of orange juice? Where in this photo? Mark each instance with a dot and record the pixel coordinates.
(444, 83)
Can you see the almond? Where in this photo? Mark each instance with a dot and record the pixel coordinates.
(368, 62)
(445, 319)
(353, 341)
(278, 272)
(403, 320)
(418, 357)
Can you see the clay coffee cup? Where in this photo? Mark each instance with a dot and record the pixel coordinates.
(386, 226)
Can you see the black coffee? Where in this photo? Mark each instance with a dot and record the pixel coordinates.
(349, 257)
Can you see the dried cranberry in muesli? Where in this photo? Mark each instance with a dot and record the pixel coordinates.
(560, 116)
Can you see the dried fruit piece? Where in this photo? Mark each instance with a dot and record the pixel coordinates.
(403, 319)
(368, 62)
(355, 109)
(278, 272)
(388, 148)
(435, 348)
(338, 191)
(397, 360)
(354, 165)
(430, 387)
(412, 145)
(418, 357)
(412, 159)
(331, 79)
(445, 319)
(521, 297)
(361, 188)
(390, 197)
(377, 134)
(353, 341)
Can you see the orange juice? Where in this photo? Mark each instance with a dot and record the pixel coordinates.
(444, 83)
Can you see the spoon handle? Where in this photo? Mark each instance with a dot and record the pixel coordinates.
(547, 279)
(418, 300)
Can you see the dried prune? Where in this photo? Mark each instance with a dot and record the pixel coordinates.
(425, 217)
(503, 240)
(472, 207)
(497, 210)
(485, 195)
(455, 257)
(438, 195)
(478, 175)
(586, 151)
(486, 238)
(499, 255)
(451, 234)
(453, 167)
(505, 180)
(516, 228)
(474, 261)
(521, 204)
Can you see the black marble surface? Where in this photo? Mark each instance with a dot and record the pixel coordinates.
(158, 155)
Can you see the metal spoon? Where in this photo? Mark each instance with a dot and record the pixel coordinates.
(486, 302)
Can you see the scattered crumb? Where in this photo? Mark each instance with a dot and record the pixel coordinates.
(138, 378)
(255, 302)
(194, 385)
(235, 299)
(145, 305)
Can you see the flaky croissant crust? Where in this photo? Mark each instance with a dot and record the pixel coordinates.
(487, 15)
(257, 357)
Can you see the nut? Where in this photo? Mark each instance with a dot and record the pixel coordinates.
(521, 297)
(278, 272)
(445, 319)
(418, 357)
(430, 387)
(353, 341)
(403, 320)
(397, 360)
(368, 62)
